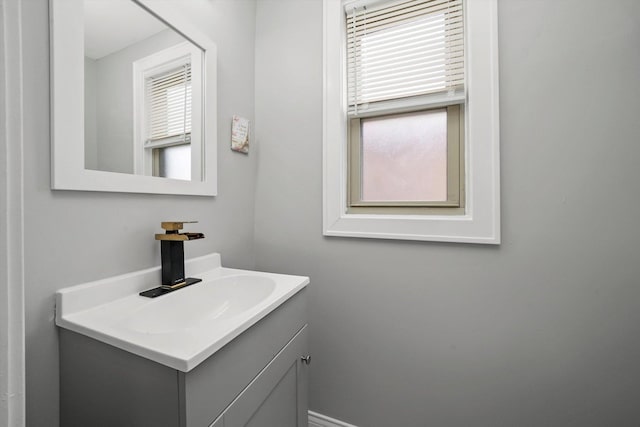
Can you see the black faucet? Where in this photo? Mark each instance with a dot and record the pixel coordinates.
(172, 255)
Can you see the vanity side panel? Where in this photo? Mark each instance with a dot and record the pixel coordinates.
(215, 383)
(103, 386)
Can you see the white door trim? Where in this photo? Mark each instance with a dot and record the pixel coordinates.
(12, 325)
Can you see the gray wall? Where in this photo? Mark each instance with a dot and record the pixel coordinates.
(539, 331)
(73, 237)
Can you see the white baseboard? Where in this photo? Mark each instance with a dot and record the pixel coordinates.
(319, 420)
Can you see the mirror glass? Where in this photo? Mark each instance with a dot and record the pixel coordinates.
(142, 84)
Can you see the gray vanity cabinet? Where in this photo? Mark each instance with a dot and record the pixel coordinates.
(257, 379)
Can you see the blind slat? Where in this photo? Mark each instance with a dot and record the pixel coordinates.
(403, 49)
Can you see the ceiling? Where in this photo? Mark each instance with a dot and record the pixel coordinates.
(111, 25)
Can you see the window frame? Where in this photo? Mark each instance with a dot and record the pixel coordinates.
(480, 222)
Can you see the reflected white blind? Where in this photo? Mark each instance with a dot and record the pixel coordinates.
(403, 49)
(169, 106)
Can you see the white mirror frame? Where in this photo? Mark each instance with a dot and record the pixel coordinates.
(67, 108)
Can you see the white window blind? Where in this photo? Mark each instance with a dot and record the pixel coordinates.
(169, 107)
(404, 49)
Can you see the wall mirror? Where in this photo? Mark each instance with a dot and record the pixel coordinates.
(133, 99)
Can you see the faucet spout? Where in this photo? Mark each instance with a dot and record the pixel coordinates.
(172, 255)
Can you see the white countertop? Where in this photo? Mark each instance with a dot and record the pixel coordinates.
(171, 329)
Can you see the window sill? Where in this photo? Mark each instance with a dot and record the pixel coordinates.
(462, 229)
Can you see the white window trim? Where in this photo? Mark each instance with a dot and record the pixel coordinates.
(152, 64)
(481, 221)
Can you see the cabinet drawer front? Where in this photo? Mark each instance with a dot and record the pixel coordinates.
(278, 394)
(208, 389)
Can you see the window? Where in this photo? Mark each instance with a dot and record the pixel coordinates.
(167, 85)
(411, 142)
(405, 56)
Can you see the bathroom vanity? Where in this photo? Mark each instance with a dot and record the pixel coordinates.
(230, 351)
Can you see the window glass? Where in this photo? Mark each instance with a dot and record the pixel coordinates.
(404, 157)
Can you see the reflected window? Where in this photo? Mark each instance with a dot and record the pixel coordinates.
(168, 101)
(168, 114)
(165, 102)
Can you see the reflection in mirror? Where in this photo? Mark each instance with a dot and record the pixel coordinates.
(142, 92)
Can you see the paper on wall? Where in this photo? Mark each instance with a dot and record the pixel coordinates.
(240, 134)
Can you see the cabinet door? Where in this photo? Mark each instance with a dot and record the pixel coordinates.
(213, 385)
(277, 397)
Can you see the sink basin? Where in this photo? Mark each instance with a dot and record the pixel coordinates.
(219, 299)
(182, 328)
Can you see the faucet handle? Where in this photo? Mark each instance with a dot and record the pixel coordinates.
(172, 231)
(175, 225)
